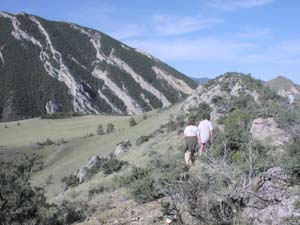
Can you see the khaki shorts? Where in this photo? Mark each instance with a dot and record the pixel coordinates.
(191, 147)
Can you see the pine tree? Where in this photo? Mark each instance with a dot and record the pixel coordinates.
(110, 128)
(100, 130)
(132, 122)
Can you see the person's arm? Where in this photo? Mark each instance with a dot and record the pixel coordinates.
(211, 133)
(199, 136)
(211, 136)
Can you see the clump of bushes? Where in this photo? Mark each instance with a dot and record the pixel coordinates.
(47, 142)
(105, 165)
(22, 204)
(292, 161)
(141, 139)
(70, 181)
(141, 185)
(100, 130)
(110, 128)
(112, 166)
(132, 122)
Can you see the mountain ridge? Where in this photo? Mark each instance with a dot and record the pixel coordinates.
(284, 86)
(88, 71)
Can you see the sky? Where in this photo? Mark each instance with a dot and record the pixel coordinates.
(200, 38)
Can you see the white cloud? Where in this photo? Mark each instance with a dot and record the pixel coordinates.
(162, 25)
(173, 25)
(237, 4)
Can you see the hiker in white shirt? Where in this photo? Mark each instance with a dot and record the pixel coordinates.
(291, 98)
(205, 132)
(191, 142)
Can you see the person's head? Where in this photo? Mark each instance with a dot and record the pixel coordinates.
(206, 116)
(191, 121)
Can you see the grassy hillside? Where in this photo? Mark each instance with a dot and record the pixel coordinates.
(62, 159)
(244, 163)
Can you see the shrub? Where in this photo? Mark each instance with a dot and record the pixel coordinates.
(132, 122)
(110, 128)
(19, 202)
(236, 129)
(70, 181)
(292, 161)
(100, 130)
(112, 166)
(144, 190)
(199, 111)
(135, 173)
(141, 139)
(96, 191)
(145, 116)
(47, 142)
(74, 211)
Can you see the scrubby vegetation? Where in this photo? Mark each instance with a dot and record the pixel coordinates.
(132, 122)
(21, 204)
(110, 128)
(100, 130)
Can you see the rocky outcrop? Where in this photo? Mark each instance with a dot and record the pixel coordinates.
(53, 107)
(122, 148)
(268, 131)
(219, 94)
(273, 200)
(82, 173)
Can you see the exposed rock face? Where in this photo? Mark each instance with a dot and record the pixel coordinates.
(82, 173)
(274, 200)
(284, 87)
(122, 148)
(267, 130)
(100, 76)
(53, 107)
(224, 89)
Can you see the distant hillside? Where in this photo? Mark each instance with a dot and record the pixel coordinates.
(283, 86)
(202, 80)
(48, 67)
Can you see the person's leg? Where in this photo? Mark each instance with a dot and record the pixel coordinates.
(201, 149)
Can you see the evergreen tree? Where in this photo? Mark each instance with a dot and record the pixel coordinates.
(100, 130)
(132, 122)
(110, 128)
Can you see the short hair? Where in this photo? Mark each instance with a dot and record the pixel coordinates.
(206, 116)
(191, 121)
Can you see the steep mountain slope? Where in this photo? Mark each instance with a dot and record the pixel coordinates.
(48, 67)
(283, 86)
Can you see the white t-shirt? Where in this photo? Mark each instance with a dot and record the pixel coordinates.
(191, 131)
(292, 99)
(205, 127)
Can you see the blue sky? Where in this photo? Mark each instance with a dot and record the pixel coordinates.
(201, 38)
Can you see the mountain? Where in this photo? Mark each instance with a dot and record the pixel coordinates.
(283, 86)
(48, 67)
(202, 80)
